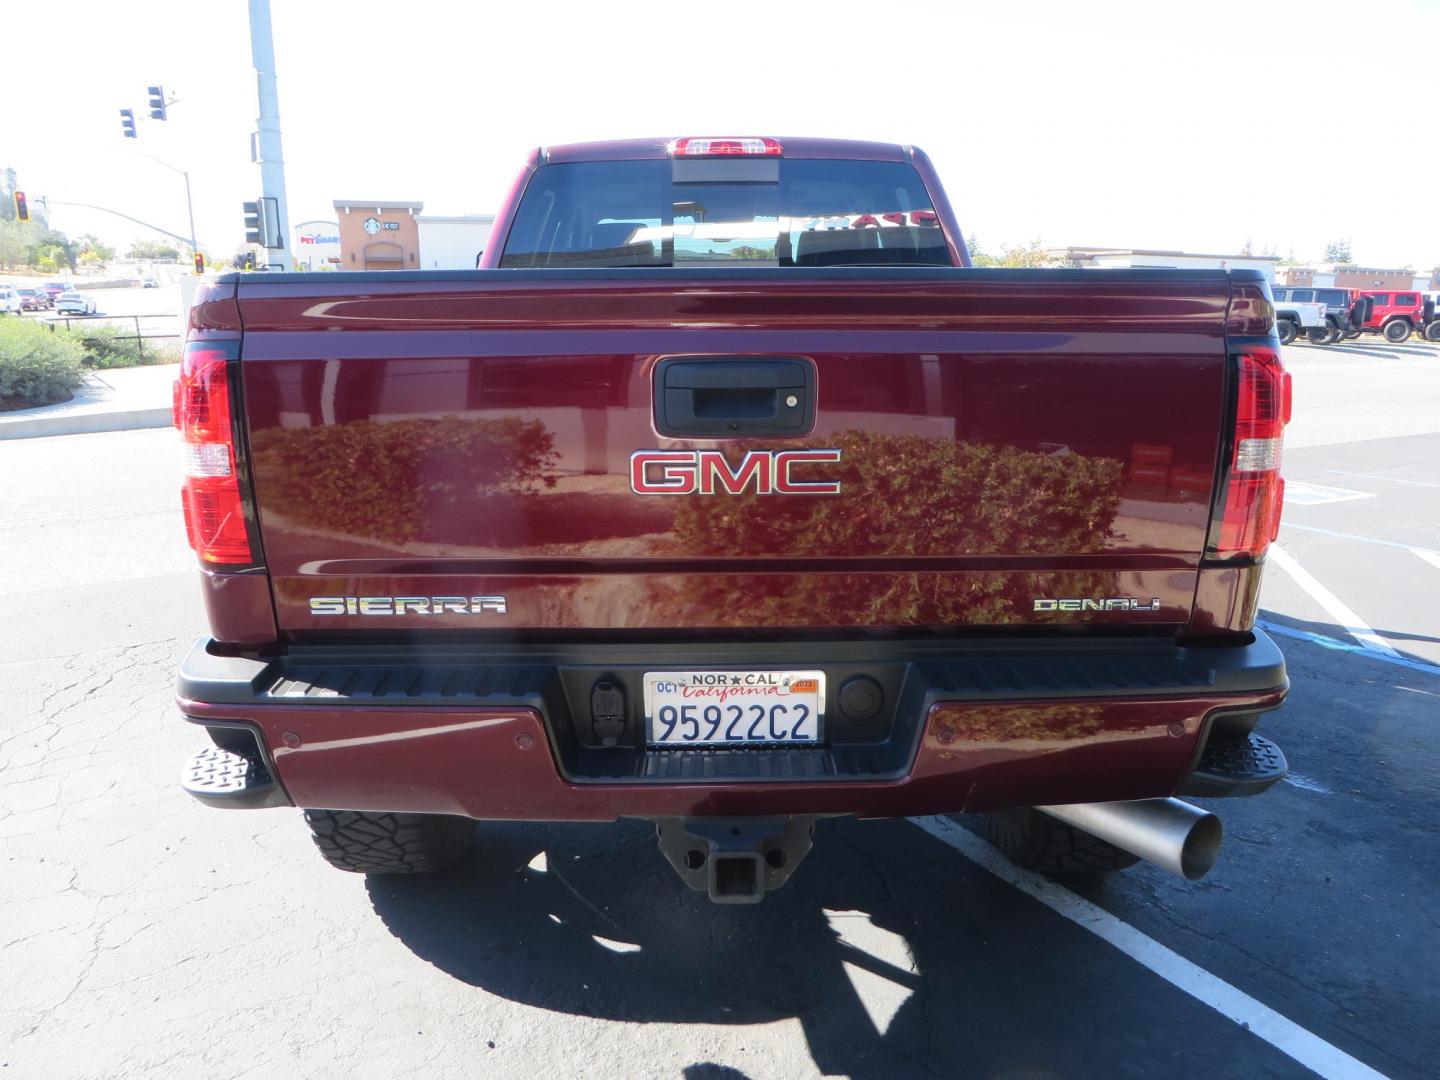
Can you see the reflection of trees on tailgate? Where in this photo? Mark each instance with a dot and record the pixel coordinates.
(902, 495)
(391, 481)
(1062, 723)
(911, 495)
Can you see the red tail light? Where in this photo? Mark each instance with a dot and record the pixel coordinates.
(1248, 515)
(692, 147)
(214, 509)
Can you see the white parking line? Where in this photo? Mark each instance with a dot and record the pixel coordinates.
(1260, 1020)
(1390, 479)
(1355, 626)
(1432, 557)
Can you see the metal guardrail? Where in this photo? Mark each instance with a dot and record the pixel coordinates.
(139, 337)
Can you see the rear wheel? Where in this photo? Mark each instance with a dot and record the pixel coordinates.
(1397, 331)
(389, 843)
(1038, 842)
(1287, 330)
(1322, 336)
(1432, 332)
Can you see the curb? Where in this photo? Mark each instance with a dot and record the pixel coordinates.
(84, 423)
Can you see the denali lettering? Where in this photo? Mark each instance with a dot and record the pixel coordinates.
(1116, 603)
(708, 472)
(406, 605)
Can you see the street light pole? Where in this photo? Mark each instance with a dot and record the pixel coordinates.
(189, 204)
(190, 209)
(267, 139)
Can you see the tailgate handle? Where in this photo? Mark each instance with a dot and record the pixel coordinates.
(734, 396)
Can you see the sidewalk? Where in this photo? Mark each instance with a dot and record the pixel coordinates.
(118, 399)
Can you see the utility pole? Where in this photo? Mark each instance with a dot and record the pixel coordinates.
(266, 148)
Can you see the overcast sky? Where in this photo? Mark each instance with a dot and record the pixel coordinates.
(1192, 126)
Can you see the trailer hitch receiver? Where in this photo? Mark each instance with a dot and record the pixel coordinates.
(735, 860)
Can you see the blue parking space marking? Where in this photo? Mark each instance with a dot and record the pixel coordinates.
(1346, 646)
(1413, 548)
(1298, 493)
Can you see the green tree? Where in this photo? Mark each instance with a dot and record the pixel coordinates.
(8, 184)
(90, 245)
(1338, 251)
(1018, 255)
(156, 251)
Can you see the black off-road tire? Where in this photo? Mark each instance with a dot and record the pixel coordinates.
(1288, 330)
(1038, 842)
(389, 843)
(1432, 331)
(1317, 336)
(1397, 331)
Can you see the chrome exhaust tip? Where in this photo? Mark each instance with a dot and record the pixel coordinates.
(1168, 833)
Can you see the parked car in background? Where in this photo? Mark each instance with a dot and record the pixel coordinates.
(75, 303)
(10, 302)
(1431, 316)
(149, 282)
(1343, 314)
(1394, 313)
(54, 288)
(1292, 317)
(34, 299)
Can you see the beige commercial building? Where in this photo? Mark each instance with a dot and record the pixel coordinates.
(1123, 258)
(1343, 276)
(378, 235)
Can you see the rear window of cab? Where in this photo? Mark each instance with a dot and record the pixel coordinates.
(738, 212)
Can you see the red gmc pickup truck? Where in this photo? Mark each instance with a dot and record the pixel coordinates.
(729, 496)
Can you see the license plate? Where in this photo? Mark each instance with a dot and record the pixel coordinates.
(708, 709)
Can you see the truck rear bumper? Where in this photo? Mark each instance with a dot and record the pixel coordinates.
(504, 732)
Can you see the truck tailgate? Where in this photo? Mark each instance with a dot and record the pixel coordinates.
(992, 449)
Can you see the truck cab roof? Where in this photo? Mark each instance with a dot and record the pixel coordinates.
(659, 148)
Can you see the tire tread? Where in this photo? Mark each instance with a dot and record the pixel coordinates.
(392, 843)
(1038, 842)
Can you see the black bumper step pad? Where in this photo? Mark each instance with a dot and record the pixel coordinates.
(1236, 767)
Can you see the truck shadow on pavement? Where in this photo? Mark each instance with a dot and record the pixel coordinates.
(1410, 350)
(896, 955)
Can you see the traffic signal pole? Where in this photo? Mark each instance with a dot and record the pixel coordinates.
(266, 150)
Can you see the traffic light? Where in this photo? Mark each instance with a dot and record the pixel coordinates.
(157, 102)
(199, 262)
(22, 208)
(253, 228)
(127, 123)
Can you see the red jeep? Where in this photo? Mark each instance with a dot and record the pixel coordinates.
(1395, 313)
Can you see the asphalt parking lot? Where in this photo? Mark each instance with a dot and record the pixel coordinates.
(144, 935)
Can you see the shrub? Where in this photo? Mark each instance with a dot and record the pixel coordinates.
(902, 496)
(400, 480)
(113, 347)
(37, 366)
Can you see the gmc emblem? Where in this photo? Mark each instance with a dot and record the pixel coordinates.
(708, 472)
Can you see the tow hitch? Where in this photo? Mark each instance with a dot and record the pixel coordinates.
(735, 860)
